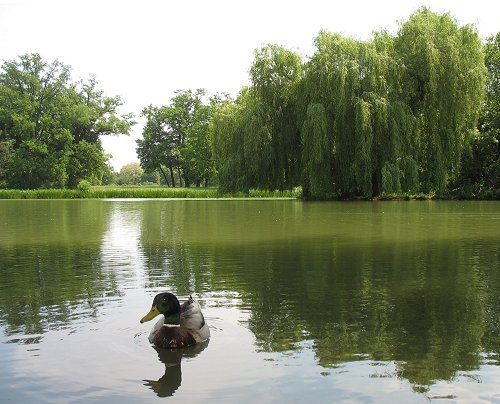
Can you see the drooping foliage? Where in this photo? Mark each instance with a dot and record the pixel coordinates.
(490, 114)
(275, 74)
(444, 83)
(227, 144)
(349, 77)
(257, 139)
(316, 154)
(481, 169)
(359, 118)
(50, 127)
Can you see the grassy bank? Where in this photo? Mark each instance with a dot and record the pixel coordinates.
(115, 192)
(139, 192)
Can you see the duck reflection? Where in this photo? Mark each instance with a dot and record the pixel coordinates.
(168, 384)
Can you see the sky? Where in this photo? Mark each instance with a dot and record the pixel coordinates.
(144, 50)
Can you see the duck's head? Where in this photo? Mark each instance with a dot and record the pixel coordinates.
(167, 304)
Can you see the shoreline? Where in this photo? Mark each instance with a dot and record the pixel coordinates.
(213, 194)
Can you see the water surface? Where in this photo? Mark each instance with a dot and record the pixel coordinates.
(341, 301)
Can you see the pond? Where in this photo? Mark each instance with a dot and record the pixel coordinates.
(335, 301)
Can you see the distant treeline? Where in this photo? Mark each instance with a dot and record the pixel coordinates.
(416, 112)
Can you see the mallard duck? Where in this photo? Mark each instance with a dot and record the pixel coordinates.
(181, 325)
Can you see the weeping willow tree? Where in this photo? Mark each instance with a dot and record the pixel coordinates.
(227, 144)
(256, 128)
(256, 139)
(444, 82)
(350, 78)
(400, 110)
(275, 74)
(360, 118)
(242, 143)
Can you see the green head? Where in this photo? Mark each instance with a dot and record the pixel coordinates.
(166, 304)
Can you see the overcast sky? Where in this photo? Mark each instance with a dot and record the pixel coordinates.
(144, 50)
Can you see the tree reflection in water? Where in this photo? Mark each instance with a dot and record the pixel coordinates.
(408, 289)
(415, 286)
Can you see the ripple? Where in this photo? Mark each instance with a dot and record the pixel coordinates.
(25, 339)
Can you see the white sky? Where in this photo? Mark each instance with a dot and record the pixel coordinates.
(144, 50)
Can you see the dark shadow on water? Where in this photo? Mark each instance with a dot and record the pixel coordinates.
(168, 384)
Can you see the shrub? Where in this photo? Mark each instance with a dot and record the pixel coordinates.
(84, 186)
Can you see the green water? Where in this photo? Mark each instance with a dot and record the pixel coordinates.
(324, 302)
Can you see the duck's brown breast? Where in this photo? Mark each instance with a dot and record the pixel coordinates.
(173, 337)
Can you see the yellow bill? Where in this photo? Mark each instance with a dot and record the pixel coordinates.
(152, 314)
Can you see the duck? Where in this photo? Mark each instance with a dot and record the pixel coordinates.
(180, 326)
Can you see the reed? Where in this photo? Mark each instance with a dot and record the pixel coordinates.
(418, 196)
(104, 192)
(291, 193)
(154, 192)
(40, 194)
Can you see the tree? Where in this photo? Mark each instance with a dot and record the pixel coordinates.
(177, 137)
(392, 114)
(275, 75)
(192, 116)
(350, 79)
(444, 77)
(490, 114)
(481, 169)
(227, 139)
(256, 139)
(30, 95)
(53, 124)
(156, 149)
(109, 176)
(151, 178)
(130, 174)
(6, 158)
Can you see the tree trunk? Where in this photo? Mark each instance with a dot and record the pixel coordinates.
(172, 175)
(180, 177)
(164, 176)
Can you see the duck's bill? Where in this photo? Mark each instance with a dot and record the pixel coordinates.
(152, 314)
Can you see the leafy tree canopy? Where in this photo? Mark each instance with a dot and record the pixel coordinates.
(358, 118)
(176, 138)
(481, 168)
(50, 126)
